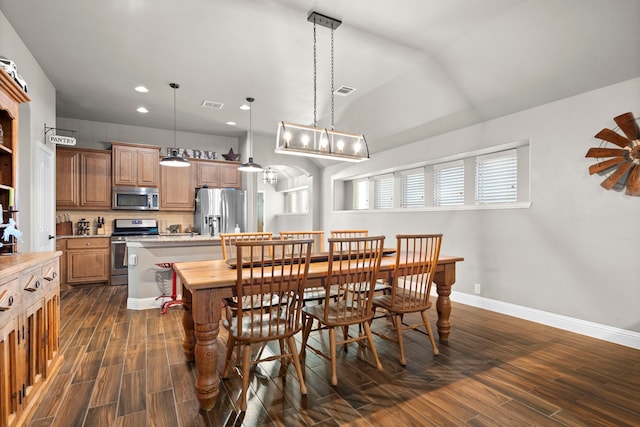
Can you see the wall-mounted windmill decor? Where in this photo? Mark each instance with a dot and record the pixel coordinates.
(623, 164)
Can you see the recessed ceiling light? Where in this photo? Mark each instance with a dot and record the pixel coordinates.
(141, 89)
(142, 110)
(245, 107)
(231, 123)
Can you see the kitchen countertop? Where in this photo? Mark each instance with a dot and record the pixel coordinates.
(83, 236)
(176, 238)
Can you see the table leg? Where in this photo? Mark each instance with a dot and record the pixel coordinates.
(444, 280)
(201, 322)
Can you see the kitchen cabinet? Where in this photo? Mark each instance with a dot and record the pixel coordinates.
(88, 260)
(177, 185)
(83, 179)
(217, 174)
(11, 96)
(135, 165)
(230, 176)
(177, 192)
(29, 332)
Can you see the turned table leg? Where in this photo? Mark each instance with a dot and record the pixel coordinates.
(444, 280)
(201, 323)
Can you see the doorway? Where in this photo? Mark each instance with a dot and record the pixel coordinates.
(260, 211)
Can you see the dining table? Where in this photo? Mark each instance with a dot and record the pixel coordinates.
(205, 284)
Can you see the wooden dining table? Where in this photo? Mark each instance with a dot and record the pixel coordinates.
(206, 283)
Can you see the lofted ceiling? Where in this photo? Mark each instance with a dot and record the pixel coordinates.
(420, 67)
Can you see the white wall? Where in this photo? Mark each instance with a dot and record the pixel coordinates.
(574, 252)
(32, 118)
(99, 135)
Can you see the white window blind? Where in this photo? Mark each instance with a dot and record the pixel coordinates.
(497, 178)
(361, 194)
(448, 187)
(413, 189)
(384, 192)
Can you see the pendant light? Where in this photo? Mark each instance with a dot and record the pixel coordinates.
(250, 166)
(173, 159)
(269, 176)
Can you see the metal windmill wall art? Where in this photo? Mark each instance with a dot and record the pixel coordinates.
(623, 160)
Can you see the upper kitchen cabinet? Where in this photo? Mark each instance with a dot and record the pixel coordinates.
(217, 174)
(177, 192)
(135, 165)
(83, 179)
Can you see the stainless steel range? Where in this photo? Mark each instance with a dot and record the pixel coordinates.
(122, 228)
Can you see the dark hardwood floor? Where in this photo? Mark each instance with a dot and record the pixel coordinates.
(126, 368)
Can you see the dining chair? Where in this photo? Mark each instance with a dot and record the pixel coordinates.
(317, 236)
(416, 260)
(228, 242)
(352, 267)
(315, 293)
(381, 285)
(348, 233)
(264, 278)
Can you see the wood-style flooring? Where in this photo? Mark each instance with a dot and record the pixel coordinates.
(126, 368)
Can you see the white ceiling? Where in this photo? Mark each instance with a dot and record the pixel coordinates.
(421, 67)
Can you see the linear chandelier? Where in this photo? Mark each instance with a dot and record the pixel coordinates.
(312, 141)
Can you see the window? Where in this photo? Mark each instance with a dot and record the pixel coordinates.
(384, 192)
(361, 194)
(413, 188)
(296, 201)
(497, 178)
(448, 184)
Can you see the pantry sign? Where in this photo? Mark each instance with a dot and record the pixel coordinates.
(62, 140)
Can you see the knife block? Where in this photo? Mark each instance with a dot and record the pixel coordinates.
(64, 228)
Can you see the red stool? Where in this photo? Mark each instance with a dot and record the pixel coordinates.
(174, 294)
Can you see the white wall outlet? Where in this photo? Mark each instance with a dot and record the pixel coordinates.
(477, 288)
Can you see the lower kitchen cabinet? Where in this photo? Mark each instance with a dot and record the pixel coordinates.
(87, 260)
(29, 332)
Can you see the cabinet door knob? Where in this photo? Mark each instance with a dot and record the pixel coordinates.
(51, 237)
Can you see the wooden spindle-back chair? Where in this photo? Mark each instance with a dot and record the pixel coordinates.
(416, 261)
(264, 279)
(353, 266)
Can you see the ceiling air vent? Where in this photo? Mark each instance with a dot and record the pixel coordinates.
(344, 90)
(212, 104)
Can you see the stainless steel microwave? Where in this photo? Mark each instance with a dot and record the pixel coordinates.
(135, 198)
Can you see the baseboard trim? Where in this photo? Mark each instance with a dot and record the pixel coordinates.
(144, 303)
(583, 327)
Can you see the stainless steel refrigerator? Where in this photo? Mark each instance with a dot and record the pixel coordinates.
(220, 210)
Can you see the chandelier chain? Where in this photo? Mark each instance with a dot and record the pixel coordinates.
(315, 72)
(332, 108)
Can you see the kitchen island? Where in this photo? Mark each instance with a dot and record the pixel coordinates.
(146, 280)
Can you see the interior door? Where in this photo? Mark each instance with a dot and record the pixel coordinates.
(44, 204)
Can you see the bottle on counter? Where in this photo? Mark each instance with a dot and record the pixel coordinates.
(237, 229)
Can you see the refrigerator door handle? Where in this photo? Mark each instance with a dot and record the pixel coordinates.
(224, 207)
